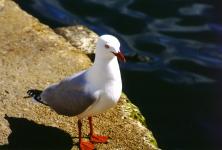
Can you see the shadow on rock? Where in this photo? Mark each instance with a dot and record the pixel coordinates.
(29, 135)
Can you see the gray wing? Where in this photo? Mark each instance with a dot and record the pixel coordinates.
(68, 97)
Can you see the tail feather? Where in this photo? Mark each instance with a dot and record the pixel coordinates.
(36, 95)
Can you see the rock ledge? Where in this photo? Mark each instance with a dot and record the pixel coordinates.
(33, 56)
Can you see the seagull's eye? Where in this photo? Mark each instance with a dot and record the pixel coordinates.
(106, 46)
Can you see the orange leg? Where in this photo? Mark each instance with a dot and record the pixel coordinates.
(83, 145)
(96, 138)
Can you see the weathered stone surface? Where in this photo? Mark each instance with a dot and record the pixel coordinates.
(79, 36)
(33, 56)
(2, 4)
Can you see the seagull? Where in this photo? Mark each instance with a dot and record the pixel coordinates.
(88, 92)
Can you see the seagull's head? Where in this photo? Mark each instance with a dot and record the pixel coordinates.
(108, 46)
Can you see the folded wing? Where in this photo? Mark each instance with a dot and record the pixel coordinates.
(69, 96)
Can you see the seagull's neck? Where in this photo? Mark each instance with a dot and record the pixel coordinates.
(104, 70)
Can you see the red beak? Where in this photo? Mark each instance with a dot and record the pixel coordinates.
(120, 56)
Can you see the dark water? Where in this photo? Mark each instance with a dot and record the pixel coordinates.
(174, 70)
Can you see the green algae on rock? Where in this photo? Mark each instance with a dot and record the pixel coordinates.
(132, 111)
